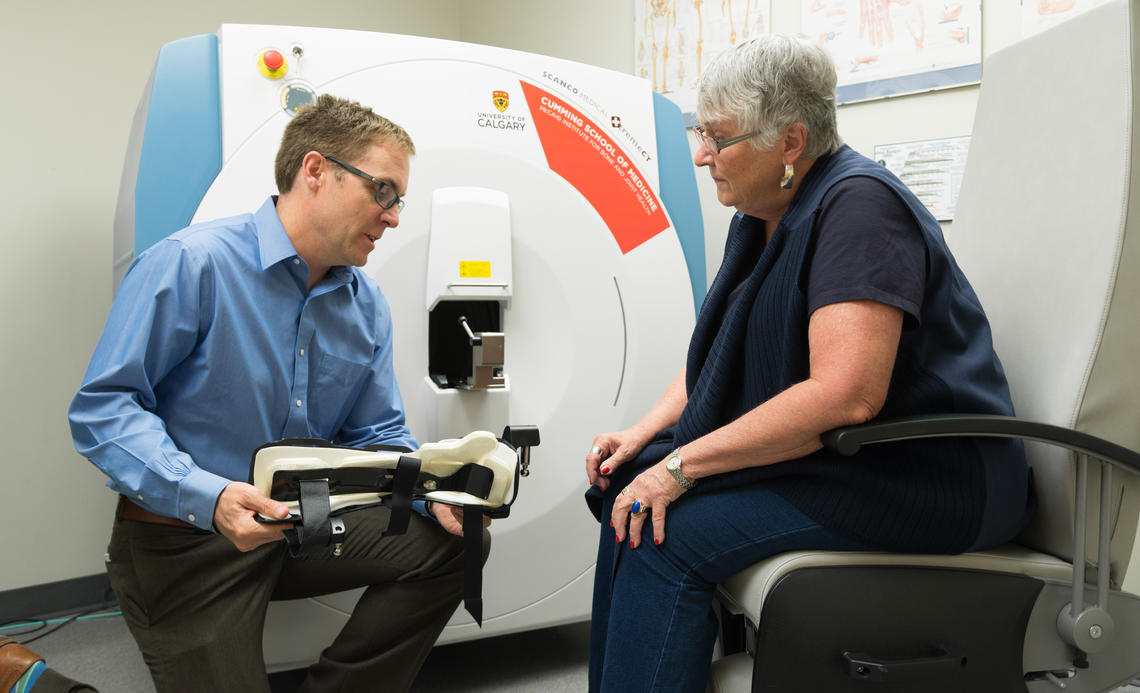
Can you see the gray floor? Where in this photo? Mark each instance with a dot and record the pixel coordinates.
(99, 651)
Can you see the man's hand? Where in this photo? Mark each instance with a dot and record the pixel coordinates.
(450, 517)
(234, 511)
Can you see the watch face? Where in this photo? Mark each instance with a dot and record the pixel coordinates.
(673, 463)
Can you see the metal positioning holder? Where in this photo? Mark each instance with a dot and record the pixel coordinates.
(1089, 628)
(522, 439)
(487, 351)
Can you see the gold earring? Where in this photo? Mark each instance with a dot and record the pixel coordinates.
(789, 176)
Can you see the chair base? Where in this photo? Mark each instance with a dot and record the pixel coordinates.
(903, 629)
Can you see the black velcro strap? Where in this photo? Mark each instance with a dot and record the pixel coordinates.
(473, 561)
(471, 478)
(314, 529)
(403, 488)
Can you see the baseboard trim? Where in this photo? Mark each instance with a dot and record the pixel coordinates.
(52, 599)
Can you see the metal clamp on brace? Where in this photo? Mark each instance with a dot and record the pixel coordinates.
(318, 481)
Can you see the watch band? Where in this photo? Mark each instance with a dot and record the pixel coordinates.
(675, 470)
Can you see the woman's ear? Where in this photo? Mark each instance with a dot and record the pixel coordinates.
(795, 141)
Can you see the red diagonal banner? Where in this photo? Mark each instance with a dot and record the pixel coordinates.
(588, 159)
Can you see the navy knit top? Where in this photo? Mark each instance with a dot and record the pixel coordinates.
(943, 495)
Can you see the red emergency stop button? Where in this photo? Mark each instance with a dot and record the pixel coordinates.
(272, 63)
(274, 60)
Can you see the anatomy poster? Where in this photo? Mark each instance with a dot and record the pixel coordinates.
(674, 39)
(1039, 15)
(888, 47)
(932, 169)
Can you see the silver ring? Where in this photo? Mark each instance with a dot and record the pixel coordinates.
(595, 450)
(625, 491)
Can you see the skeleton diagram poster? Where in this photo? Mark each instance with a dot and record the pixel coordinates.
(674, 39)
(889, 47)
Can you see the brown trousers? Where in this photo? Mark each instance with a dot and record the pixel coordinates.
(196, 605)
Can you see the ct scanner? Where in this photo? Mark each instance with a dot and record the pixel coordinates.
(552, 204)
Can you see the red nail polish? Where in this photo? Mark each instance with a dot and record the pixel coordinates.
(657, 542)
(617, 538)
(605, 470)
(611, 523)
(631, 544)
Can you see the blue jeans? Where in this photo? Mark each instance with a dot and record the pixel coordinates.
(653, 625)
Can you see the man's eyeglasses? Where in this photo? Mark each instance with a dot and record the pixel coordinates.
(385, 194)
(713, 144)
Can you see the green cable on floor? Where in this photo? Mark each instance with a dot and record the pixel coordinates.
(42, 623)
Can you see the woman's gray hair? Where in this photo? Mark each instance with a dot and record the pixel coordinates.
(769, 82)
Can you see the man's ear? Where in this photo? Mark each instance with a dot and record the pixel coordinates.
(313, 168)
(795, 141)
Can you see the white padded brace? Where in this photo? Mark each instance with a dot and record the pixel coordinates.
(441, 458)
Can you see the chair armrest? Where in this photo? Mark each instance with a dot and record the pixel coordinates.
(1076, 622)
(848, 440)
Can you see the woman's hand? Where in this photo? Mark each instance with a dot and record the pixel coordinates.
(652, 491)
(610, 451)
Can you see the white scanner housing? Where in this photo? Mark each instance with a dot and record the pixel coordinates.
(538, 202)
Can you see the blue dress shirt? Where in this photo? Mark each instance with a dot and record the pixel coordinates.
(214, 346)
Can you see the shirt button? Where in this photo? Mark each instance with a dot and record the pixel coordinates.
(296, 261)
(190, 517)
(298, 403)
(140, 496)
(302, 352)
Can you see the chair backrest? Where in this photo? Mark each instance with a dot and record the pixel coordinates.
(1046, 230)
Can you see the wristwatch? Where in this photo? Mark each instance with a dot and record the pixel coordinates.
(673, 464)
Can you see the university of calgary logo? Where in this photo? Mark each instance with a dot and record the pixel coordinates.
(501, 100)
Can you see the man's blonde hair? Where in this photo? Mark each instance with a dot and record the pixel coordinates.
(334, 127)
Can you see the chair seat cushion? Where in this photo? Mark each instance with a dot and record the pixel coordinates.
(746, 591)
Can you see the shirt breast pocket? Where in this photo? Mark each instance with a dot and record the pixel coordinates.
(334, 388)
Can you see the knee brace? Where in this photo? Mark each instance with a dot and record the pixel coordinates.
(319, 481)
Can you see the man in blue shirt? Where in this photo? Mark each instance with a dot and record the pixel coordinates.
(233, 333)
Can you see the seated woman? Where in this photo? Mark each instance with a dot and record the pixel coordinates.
(837, 302)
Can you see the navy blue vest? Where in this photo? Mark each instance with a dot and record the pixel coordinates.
(935, 495)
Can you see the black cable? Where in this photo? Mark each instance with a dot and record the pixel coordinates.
(107, 603)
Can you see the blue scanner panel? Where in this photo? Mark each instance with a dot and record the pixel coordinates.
(679, 190)
(182, 146)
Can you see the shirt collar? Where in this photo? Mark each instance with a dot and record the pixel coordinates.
(272, 240)
(275, 245)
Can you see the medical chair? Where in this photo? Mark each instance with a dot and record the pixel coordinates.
(1048, 232)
